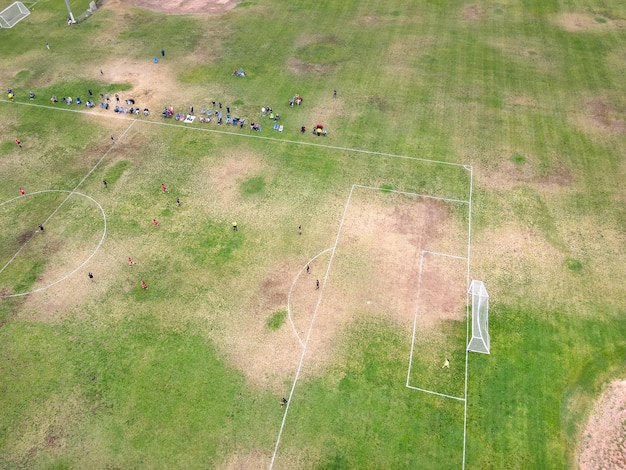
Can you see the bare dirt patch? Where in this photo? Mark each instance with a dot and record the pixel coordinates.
(472, 13)
(600, 115)
(225, 178)
(300, 68)
(152, 84)
(575, 22)
(525, 262)
(504, 175)
(186, 7)
(240, 461)
(603, 442)
(265, 356)
(375, 271)
(521, 100)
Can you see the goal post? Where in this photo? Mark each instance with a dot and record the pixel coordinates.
(13, 14)
(480, 341)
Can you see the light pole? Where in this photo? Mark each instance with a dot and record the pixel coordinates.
(69, 10)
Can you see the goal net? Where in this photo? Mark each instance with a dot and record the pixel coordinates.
(13, 14)
(480, 341)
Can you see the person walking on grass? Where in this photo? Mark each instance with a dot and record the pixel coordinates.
(299, 229)
(155, 222)
(41, 229)
(90, 275)
(106, 185)
(18, 142)
(164, 188)
(446, 364)
(144, 285)
(22, 192)
(178, 201)
(283, 402)
(234, 226)
(317, 284)
(47, 45)
(131, 263)
(308, 269)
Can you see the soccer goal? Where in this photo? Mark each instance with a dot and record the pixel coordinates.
(13, 14)
(480, 341)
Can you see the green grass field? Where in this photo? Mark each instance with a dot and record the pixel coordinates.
(189, 373)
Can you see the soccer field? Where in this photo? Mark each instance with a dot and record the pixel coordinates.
(294, 300)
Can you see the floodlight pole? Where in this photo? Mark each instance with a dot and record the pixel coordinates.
(69, 10)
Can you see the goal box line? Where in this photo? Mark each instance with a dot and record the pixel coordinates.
(461, 272)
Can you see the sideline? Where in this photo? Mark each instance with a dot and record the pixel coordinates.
(249, 136)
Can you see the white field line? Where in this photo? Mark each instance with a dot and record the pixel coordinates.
(308, 336)
(419, 286)
(239, 134)
(435, 393)
(293, 327)
(467, 318)
(72, 192)
(425, 196)
(443, 254)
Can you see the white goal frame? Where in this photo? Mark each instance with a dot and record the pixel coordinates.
(13, 14)
(481, 341)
